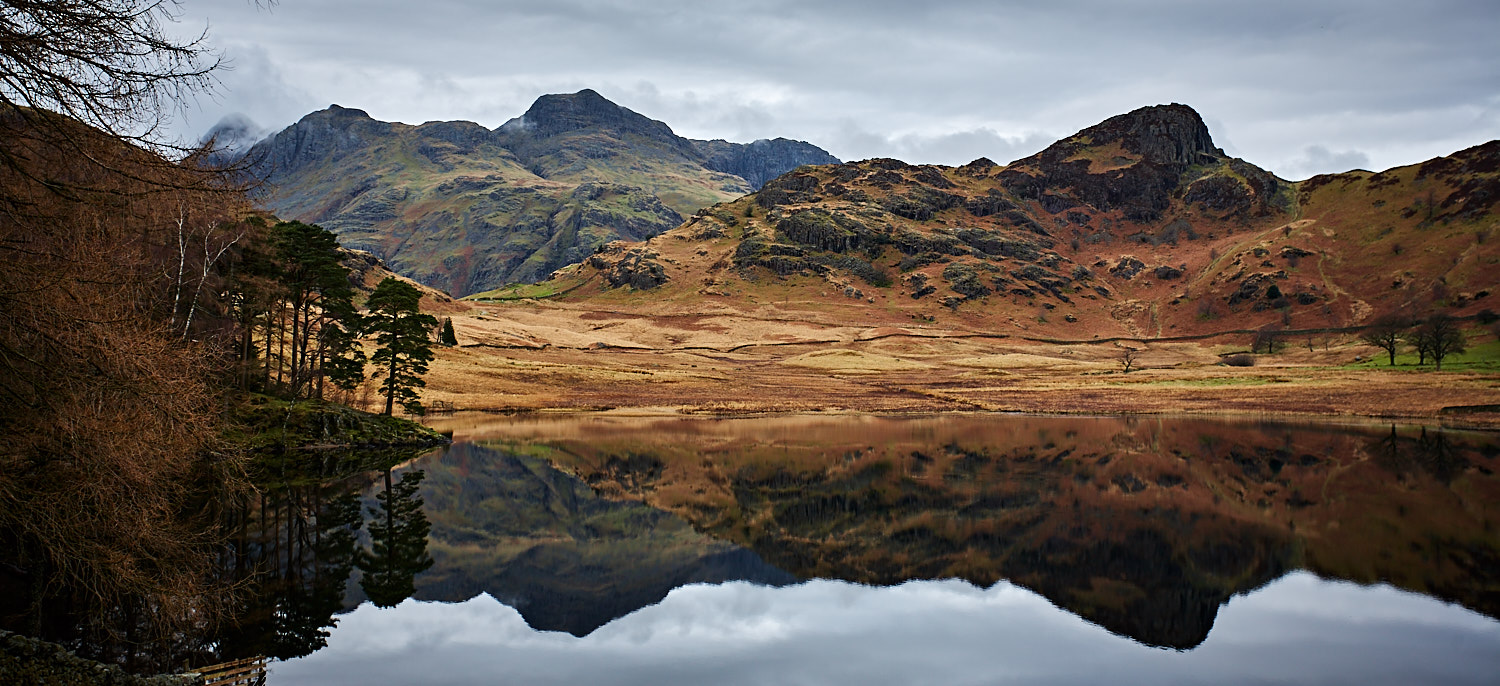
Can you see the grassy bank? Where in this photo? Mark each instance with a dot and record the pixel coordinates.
(263, 423)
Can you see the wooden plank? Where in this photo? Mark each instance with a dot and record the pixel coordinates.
(231, 663)
(247, 669)
(242, 672)
(226, 669)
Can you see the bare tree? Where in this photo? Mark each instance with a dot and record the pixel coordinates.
(1266, 339)
(110, 253)
(1438, 337)
(1387, 333)
(1128, 358)
(110, 64)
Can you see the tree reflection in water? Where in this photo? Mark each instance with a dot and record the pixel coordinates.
(296, 546)
(398, 552)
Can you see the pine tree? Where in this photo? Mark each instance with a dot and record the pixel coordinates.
(401, 332)
(398, 543)
(448, 337)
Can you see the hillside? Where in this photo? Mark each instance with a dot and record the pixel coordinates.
(1138, 227)
(888, 287)
(463, 208)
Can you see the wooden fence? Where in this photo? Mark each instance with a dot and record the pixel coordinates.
(250, 671)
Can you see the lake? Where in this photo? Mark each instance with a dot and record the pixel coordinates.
(949, 549)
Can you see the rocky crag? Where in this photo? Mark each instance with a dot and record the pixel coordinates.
(464, 208)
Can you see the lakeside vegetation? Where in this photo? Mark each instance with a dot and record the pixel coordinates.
(162, 345)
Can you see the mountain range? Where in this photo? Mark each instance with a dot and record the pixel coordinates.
(464, 208)
(1139, 226)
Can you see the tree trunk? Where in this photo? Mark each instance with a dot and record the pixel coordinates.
(390, 397)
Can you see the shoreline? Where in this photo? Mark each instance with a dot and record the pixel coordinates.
(441, 423)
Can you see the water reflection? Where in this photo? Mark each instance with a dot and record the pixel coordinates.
(1040, 536)
(296, 543)
(1143, 526)
(398, 542)
(1299, 629)
(510, 525)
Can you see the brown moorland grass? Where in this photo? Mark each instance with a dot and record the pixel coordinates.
(541, 356)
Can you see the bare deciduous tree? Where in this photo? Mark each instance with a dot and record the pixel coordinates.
(1438, 337)
(110, 64)
(1387, 333)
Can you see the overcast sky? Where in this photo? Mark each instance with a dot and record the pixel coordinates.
(1295, 86)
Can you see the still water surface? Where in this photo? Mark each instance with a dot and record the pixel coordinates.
(956, 550)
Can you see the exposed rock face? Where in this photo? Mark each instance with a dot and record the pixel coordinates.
(316, 139)
(463, 208)
(552, 115)
(629, 266)
(762, 160)
(1136, 163)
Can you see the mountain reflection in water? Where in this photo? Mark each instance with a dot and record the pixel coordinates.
(1144, 527)
(1298, 629)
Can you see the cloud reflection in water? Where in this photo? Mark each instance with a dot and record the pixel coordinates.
(1299, 629)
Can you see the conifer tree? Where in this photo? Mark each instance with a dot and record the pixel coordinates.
(403, 351)
(398, 543)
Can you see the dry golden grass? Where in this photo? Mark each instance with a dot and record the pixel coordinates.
(543, 356)
(845, 361)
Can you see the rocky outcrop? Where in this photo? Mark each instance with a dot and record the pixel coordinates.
(1137, 163)
(636, 267)
(762, 160)
(821, 230)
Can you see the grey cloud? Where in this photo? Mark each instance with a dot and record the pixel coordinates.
(254, 86)
(950, 148)
(1317, 159)
(1390, 79)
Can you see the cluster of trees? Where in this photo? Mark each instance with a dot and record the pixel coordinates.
(136, 287)
(298, 327)
(1434, 338)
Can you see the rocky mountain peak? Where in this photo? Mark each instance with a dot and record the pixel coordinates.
(552, 115)
(335, 110)
(320, 136)
(1161, 134)
(762, 160)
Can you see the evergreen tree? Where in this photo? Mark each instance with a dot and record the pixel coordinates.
(448, 337)
(401, 332)
(398, 543)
